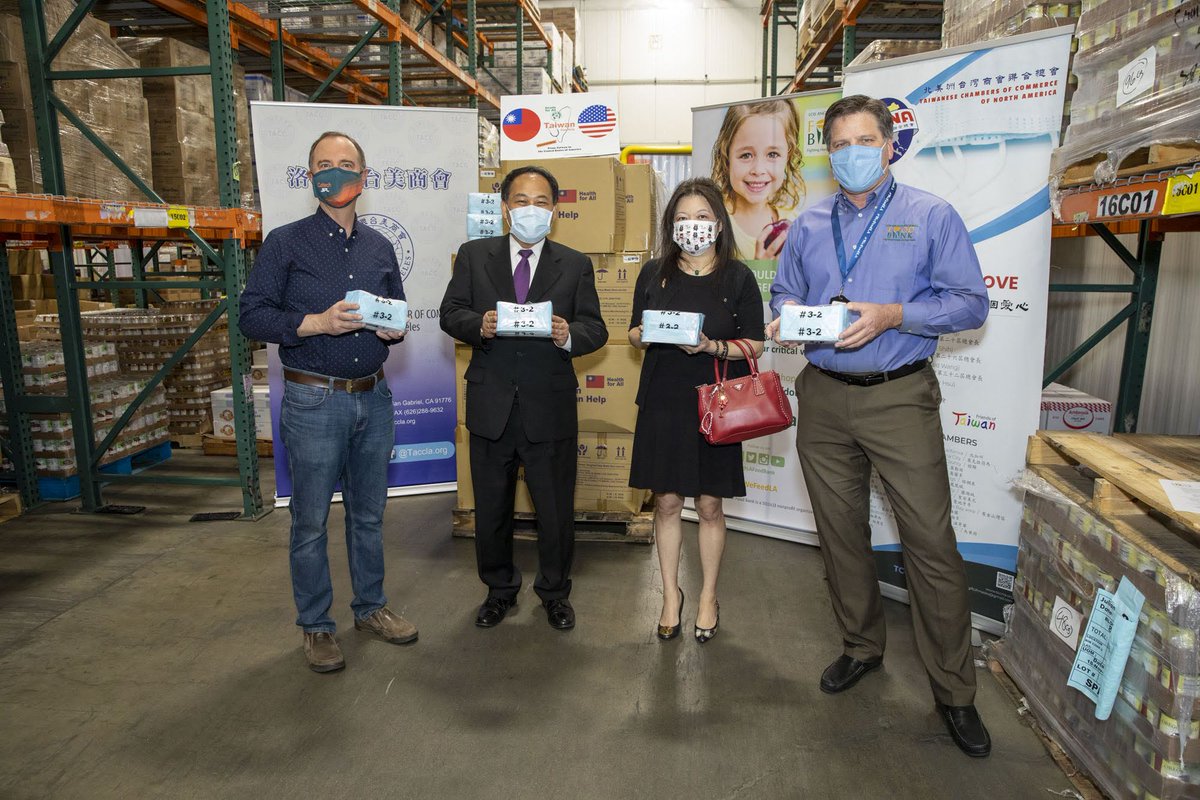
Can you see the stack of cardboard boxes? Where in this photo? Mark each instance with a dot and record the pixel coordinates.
(609, 211)
(114, 108)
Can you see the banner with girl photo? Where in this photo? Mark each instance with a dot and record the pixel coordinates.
(768, 158)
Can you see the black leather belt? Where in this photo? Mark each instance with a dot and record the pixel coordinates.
(345, 384)
(875, 378)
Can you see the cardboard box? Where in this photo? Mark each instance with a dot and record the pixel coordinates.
(616, 277)
(602, 480)
(466, 493)
(608, 383)
(489, 179)
(222, 412)
(641, 207)
(591, 201)
(26, 287)
(462, 357)
(1067, 409)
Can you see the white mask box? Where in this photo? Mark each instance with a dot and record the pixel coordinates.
(524, 319)
(812, 323)
(379, 312)
(482, 226)
(671, 327)
(484, 203)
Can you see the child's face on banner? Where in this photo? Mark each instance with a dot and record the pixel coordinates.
(758, 158)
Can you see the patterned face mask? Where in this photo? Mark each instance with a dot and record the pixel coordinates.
(695, 235)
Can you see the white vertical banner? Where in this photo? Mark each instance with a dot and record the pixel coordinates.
(976, 125)
(421, 165)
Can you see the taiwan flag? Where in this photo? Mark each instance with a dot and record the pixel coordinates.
(597, 121)
(594, 382)
(521, 125)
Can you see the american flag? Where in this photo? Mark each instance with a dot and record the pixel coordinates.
(597, 121)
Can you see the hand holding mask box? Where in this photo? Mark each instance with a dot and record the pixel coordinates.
(379, 312)
(671, 327)
(524, 319)
(812, 323)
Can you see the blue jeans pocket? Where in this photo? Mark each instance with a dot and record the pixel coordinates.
(300, 395)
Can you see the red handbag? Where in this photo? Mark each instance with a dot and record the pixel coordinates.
(735, 410)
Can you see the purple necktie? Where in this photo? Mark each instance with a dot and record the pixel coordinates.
(521, 275)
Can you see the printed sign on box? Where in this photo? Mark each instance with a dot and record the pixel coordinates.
(559, 125)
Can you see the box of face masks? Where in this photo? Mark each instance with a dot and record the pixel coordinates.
(524, 319)
(608, 384)
(379, 312)
(590, 215)
(616, 275)
(671, 327)
(812, 323)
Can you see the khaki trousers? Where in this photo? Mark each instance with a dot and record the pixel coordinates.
(841, 432)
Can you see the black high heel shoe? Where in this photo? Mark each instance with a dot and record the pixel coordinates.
(669, 632)
(706, 634)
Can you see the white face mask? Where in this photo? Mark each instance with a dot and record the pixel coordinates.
(695, 236)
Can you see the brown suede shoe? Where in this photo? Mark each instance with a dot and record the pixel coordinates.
(322, 652)
(388, 626)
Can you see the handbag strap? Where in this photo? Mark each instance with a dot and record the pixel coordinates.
(720, 370)
(748, 353)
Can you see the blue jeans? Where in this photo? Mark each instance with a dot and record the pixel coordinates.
(333, 435)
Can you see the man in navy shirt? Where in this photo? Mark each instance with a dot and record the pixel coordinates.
(902, 262)
(336, 416)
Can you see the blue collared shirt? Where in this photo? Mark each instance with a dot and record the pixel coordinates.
(920, 256)
(304, 268)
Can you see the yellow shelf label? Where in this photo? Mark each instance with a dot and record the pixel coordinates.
(177, 217)
(1183, 195)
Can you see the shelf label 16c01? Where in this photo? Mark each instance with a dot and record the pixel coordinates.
(1183, 195)
(1140, 203)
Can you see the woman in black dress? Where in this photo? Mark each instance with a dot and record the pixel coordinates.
(696, 272)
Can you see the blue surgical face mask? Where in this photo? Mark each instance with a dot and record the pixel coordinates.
(857, 167)
(529, 224)
(337, 187)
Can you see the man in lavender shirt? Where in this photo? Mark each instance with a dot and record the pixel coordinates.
(902, 261)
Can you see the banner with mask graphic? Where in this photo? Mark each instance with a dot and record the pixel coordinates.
(976, 125)
(413, 184)
(769, 159)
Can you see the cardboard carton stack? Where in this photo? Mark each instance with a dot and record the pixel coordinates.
(609, 211)
(535, 56)
(183, 134)
(1137, 70)
(146, 338)
(114, 108)
(1067, 409)
(969, 21)
(1069, 549)
(110, 391)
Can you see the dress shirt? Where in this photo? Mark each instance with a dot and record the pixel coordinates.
(920, 256)
(514, 250)
(304, 268)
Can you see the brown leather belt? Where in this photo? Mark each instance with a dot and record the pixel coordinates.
(875, 378)
(345, 384)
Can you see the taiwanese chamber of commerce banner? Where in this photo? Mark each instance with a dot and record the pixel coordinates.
(421, 164)
(768, 156)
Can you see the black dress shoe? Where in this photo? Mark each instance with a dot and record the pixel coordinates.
(845, 672)
(492, 611)
(966, 728)
(559, 614)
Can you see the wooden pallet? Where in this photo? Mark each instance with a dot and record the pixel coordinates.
(822, 20)
(590, 526)
(1118, 478)
(216, 446)
(1154, 158)
(1083, 785)
(10, 506)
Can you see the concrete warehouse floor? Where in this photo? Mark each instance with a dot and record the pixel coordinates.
(148, 656)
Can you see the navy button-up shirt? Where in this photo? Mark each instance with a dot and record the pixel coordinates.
(304, 268)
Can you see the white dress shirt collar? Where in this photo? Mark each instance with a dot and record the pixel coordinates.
(514, 251)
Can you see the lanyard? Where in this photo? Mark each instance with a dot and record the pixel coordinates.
(862, 242)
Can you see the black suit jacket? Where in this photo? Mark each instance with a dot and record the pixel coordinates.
(537, 369)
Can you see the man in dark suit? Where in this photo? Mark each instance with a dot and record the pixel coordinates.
(521, 391)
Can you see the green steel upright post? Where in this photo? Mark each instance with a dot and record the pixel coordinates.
(278, 87)
(472, 48)
(448, 10)
(766, 61)
(1137, 335)
(220, 53)
(395, 95)
(520, 49)
(775, 48)
(20, 440)
(848, 44)
(62, 264)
